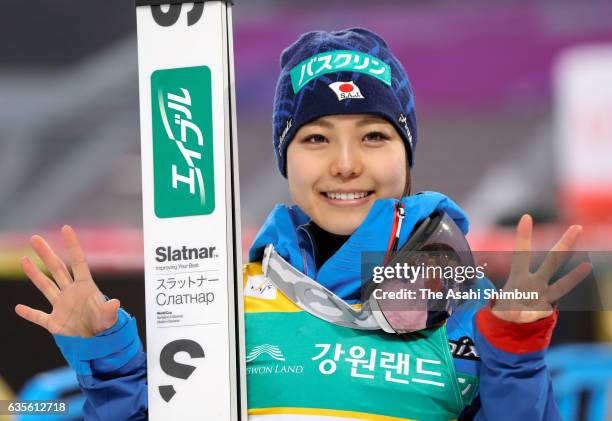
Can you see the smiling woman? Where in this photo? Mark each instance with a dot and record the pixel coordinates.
(338, 166)
(345, 137)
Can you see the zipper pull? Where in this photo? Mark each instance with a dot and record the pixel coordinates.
(401, 213)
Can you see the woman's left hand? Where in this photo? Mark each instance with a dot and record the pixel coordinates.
(521, 279)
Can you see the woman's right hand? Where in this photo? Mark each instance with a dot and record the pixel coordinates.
(79, 308)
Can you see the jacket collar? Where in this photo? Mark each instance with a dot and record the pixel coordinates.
(341, 273)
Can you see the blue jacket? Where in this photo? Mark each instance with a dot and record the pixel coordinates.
(514, 381)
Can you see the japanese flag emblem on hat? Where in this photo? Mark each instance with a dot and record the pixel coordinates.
(346, 90)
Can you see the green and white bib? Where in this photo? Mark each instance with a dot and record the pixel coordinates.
(300, 367)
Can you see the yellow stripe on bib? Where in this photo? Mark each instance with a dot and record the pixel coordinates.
(325, 412)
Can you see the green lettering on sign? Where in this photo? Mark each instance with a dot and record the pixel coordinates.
(183, 168)
(339, 61)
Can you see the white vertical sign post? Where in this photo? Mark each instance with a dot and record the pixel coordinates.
(191, 219)
(583, 93)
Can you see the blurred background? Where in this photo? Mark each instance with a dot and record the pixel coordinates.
(514, 108)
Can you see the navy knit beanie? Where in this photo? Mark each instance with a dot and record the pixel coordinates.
(343, 72)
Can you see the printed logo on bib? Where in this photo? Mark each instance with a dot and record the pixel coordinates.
(259, 286)
(366, 364)
(346, 90)
(353, 364)
(272, 350)
(268, 357)
(183, 167)
(464, 348)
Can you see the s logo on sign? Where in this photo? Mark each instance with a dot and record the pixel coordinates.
(175, 369)
(172, 14)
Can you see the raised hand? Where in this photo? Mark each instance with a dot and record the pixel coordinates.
(79, 308)
(521, 279)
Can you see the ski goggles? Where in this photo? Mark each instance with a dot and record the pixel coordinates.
(430, 259)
